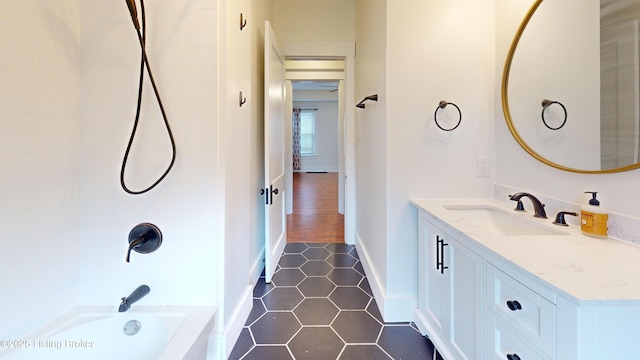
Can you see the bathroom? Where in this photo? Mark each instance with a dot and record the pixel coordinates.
(68, 87)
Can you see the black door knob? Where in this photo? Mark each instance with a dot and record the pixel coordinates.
(513, 357)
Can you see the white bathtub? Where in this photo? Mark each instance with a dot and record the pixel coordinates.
(166, 333)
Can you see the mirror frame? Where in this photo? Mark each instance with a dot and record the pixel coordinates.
(507, 113)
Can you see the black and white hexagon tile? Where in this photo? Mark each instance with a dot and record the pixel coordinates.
(320, 306)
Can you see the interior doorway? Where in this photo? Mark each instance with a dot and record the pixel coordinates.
(316, 215)
(330, 64)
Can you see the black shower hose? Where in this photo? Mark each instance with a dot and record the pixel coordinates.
(144, 61)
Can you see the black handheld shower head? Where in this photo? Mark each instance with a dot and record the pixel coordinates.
(144, 62)
(134, 13)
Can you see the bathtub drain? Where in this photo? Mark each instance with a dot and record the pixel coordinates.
(131, 327)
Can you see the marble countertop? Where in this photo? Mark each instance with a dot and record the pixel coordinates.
(585, 270)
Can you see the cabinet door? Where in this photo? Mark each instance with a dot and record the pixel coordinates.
(435, 300)
(450, 295)
(466, 301)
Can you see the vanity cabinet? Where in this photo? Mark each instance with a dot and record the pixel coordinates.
(546, 297)
(449, 293)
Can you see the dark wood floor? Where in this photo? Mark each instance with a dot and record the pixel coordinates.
(315, 217)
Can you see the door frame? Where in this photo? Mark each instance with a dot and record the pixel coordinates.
(317, 71)
(340, 51)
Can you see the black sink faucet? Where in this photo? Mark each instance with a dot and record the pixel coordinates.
(136, 295)
(538, 207)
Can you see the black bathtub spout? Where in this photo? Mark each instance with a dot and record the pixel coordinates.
(136, 295)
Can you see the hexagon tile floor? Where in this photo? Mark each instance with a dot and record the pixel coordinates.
(319, 306)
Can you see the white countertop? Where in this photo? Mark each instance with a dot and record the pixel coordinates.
(584, 269)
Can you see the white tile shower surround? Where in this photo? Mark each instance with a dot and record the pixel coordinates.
(621, 227)
(38, 148)
(320, 306)
(68, 95)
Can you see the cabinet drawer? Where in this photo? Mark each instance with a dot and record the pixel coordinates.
(530, 314)
(502, 343)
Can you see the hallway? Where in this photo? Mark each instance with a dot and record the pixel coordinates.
(315, 217)
(320, 306)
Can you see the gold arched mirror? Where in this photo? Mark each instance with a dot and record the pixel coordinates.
(571, 85)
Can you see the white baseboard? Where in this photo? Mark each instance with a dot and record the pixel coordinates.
(372, 276)
(318, 169)
(223, 342)
(226, 339)
(242, 311)
(256, 267)
(394, 308)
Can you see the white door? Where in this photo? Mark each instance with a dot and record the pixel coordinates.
(275, 231)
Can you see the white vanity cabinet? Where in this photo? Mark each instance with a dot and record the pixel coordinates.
(522, 297)
(450, 282)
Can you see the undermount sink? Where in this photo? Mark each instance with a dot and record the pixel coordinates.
(502, 222)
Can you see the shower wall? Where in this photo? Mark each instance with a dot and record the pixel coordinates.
(39, 92)
(68, 87)
(181, 39)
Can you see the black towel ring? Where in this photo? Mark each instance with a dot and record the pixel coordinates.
(443, 104)
(545, 104)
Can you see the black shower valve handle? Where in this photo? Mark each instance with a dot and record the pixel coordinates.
(144, 238)
(134, 245)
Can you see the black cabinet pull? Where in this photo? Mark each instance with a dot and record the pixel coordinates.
(438, 262)
(442, 266)
(440, 244)
(514, 305)
(513, 357)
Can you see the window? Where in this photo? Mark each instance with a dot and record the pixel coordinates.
(307, 133)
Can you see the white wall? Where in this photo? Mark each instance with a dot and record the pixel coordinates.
(181, 38)
(617, 192)
(234, 159)
(39, 91)
(425, 67)
(402, 154)
(314, 20)
(241, 162)
(326, 158)
(371, 145)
